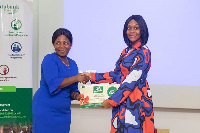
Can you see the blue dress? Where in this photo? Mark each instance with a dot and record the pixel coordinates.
(51, 106)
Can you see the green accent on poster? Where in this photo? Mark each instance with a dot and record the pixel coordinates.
(7, 88)
(15, 106)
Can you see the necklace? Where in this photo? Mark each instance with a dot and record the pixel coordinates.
(66, 62)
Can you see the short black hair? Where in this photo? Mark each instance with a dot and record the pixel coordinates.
(143, 29)
(62, 31)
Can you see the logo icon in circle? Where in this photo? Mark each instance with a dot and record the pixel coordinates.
(4, 69)
(16, 47)
(16, 24)
(111, 90)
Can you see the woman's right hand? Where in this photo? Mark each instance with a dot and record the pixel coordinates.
(83, 78)
(88, 74)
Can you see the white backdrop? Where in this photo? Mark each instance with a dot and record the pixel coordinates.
(97, 28)
(169, 89)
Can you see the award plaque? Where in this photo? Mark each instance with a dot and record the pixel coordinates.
(94, 94)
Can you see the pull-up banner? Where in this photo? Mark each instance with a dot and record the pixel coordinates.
(16, 33)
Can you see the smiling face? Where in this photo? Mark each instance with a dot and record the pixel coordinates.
(62, 46)
(133, 32)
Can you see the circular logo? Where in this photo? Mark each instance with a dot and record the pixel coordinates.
(16, 24)
(4, 69)
(111, 90)
(16, 47)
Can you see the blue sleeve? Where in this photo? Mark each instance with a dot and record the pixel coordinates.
(108, 77)
(50, 74)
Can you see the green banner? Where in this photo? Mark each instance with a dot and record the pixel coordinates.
(15, 106)
(16, 37)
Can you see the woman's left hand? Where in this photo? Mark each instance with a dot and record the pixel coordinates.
(106, 104)
(78, 97)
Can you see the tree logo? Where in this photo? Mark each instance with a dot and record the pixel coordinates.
(16, 24)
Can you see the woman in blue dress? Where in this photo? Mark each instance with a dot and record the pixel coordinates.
(58, 86)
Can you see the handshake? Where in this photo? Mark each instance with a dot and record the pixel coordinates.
(84, 77)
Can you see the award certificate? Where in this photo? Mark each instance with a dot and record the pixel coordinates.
(95, 94)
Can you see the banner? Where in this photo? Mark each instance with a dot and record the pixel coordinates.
(16, 35)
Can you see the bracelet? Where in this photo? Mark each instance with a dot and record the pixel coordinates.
(75, 95)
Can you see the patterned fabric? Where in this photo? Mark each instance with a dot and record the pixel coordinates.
(132, 102)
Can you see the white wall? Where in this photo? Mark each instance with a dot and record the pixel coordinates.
(50, 17)
(47, 20)
(35, 44)
(171, 96)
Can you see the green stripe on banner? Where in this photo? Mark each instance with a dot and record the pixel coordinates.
(7, 89)
(91, 105)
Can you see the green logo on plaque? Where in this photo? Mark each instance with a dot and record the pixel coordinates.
(111, 90)
(98, 89)
(83, 86)
(16, 24)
